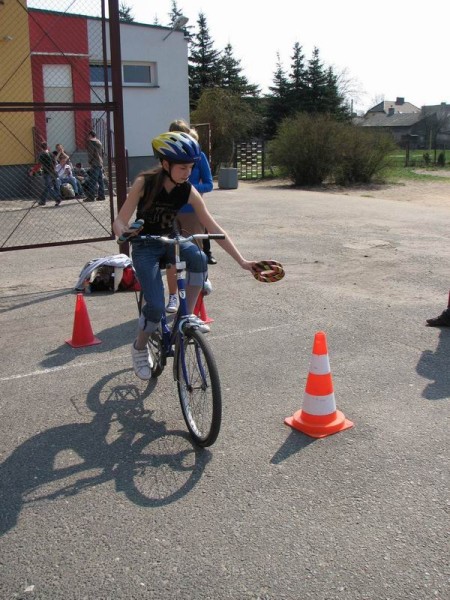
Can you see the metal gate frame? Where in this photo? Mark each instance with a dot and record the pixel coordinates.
(116, 137)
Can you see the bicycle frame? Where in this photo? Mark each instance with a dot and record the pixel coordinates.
(170, 333)
(194, 368)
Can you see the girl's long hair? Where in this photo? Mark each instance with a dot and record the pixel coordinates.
(153, 184)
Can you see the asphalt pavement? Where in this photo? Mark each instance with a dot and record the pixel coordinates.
(105, 497)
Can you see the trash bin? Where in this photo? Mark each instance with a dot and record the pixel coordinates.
(228, 178)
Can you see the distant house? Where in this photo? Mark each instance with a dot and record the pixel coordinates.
(389, 107)
(427, 125)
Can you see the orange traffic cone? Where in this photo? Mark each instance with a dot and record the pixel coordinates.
(200, 309)
(82, 331)
(319, 416)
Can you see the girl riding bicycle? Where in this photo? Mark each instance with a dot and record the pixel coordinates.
(156, 196)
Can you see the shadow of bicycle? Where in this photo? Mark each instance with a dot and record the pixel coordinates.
(151, 465)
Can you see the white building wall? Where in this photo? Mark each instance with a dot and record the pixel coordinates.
(148, 110)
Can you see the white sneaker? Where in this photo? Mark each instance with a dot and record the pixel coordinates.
(172, 305)
(198, 323)
(142, 363)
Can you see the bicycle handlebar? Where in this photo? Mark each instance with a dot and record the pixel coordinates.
(137, 225)
(179, 239)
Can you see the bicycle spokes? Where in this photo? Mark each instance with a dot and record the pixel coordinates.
(198, 387)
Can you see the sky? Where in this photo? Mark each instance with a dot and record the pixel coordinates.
(385, 50)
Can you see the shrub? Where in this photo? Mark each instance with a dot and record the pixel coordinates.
(441, 159)
(364, 155)
(426, 158)
(310, 149)
(305, 148)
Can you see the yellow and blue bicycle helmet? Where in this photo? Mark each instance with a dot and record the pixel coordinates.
(176, 147)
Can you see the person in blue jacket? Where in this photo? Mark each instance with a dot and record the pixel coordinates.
(201, 179)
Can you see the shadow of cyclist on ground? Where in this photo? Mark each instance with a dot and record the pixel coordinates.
(151, 465)
(435, 366)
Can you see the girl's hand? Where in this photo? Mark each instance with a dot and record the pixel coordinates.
(130, 231)
(248, 265)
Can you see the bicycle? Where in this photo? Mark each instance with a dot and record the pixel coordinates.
(194, 367)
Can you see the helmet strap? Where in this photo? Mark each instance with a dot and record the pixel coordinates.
(169, 173)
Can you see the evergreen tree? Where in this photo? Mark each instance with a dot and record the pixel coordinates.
(297, 80)
(316, 85)
(204, 62)
(125, 15)
(334, 101)
(174, 14)
(278, 101)
(231, 77)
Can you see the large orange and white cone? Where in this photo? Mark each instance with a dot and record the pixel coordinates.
(319, 417)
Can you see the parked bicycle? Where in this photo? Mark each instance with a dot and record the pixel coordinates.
(194, 367)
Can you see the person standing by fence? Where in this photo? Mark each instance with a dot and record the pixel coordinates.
(95, 184)
(51, 182)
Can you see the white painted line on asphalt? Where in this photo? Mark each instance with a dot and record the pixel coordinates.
(126, 356)
(63, 368)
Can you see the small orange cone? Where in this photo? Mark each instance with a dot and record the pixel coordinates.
(319, 416)
(200, 309)
(82, 331)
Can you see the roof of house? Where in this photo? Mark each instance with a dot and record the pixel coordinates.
(398, 106)
(441, 109)
(395, 120)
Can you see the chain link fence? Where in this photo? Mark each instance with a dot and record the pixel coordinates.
(54, 90)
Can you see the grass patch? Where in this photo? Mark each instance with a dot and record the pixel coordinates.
(395, 173)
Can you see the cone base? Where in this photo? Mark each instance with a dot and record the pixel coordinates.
(318, 426)
(200, 311)
(92, 342)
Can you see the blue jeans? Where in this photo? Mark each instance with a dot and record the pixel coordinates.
(51, 188)
(146, 258)
(94, 180)
(74, 183)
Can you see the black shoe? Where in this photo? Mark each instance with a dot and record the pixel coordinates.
(41, 202)
(442, 320)
(211, 260)
(101, 198)
(87, 199)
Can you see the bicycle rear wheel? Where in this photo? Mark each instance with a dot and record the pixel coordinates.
(198, 386)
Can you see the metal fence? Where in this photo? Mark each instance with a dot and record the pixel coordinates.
(55, 81)
(250, 159)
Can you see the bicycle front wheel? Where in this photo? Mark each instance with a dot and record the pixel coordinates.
(198, 387)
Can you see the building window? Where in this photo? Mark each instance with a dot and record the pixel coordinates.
(97, 74)
(139, 75)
